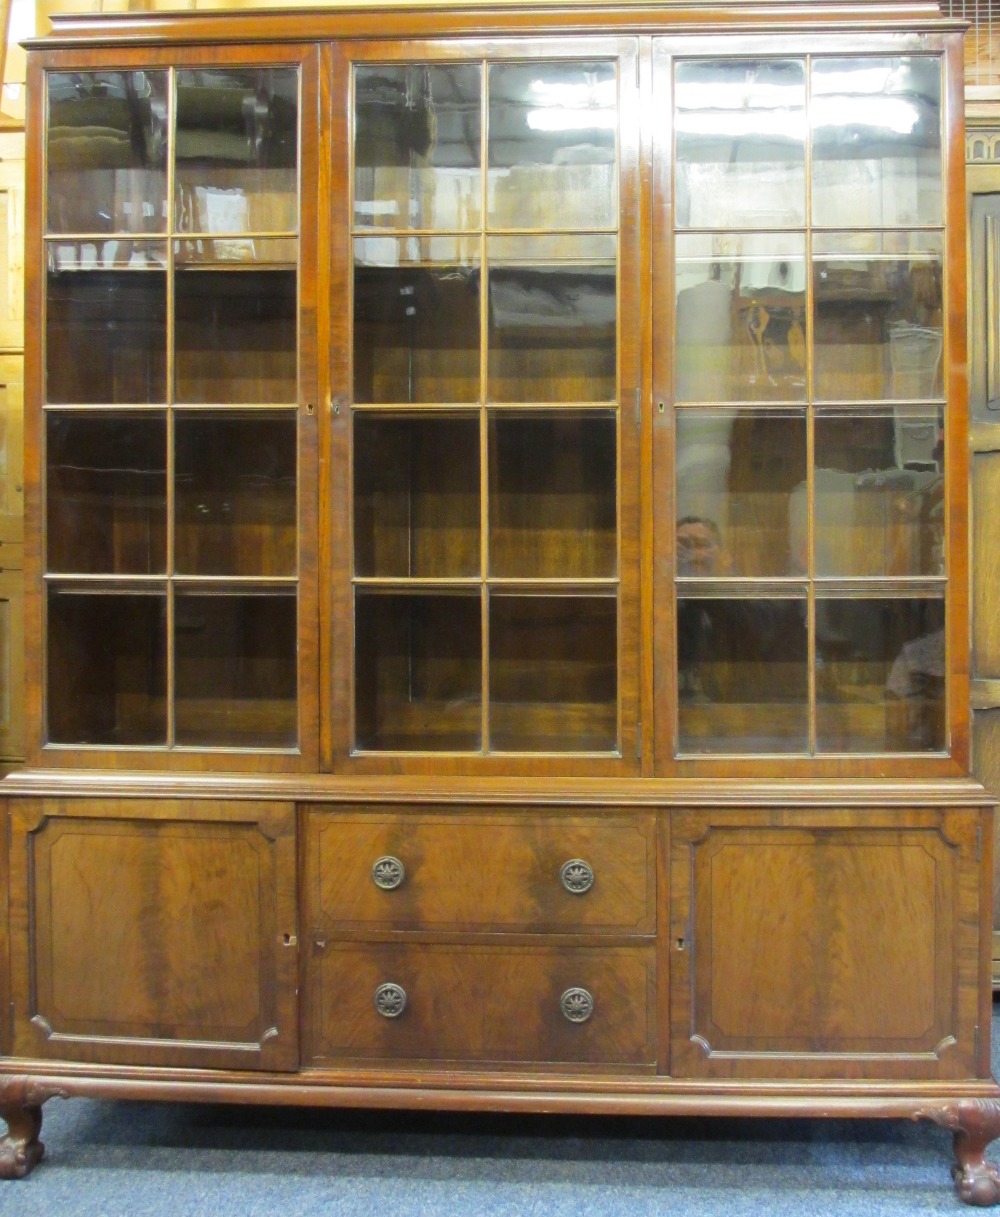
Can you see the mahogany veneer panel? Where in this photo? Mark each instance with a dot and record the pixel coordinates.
(155, 933)
(476, 872)
(480, 1003)
(824, 946)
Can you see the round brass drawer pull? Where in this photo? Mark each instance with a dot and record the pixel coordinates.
(576, 876)
(388, 872)
(577, 1005)
(390, 1000)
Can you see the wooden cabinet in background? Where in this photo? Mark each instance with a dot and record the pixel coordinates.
(496, 568)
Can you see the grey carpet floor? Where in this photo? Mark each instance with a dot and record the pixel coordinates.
(109, 1159)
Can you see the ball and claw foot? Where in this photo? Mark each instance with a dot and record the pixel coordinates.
(21, 1150)
(974, 1123)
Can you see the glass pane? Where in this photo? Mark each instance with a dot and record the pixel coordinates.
(416, 497)
(234, 488)
(235, 336)
(876, 144)
(106, 493)
(234, 676)
(736, 476)
(106, 152)
(237, 150)
(879, 488)
(740, 325)
(552, 325)
(418, 146)
(264, 252)
(880, 675)
(553, 673)
(742, 679)
(740, 130)
(416, 331)
(107, 666)
(553, 496)
(106, 337)
(418, 672)
(879, 316)
(552, 145)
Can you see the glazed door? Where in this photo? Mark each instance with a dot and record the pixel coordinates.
(155, 934)
(985, 489)
(485, 409)
(803, 408)
(176, 371)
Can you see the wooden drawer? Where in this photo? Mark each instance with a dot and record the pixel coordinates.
(480, 1003)
(477, 872)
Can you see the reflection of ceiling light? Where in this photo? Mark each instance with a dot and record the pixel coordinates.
(739, 95)
(877, 113)
(573, 94)
(783, 124)
(874, 78)
(889, 113)
(574, 105)
(571, 120)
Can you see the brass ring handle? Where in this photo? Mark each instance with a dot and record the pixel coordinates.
(576, 876)
(577, 1005)
(390, 1000)
(388, 872)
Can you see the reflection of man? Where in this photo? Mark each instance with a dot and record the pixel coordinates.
(733, 647)
(700, 551)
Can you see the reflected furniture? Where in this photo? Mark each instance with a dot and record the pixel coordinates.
(496, 565)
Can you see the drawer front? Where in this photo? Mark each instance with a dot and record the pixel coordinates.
(480, 1003)
(474, 872)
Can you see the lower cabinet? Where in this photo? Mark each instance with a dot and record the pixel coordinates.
(825, 945)
(154, 933)
(672, 944)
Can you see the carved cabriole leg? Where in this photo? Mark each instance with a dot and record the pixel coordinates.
(975, 1123)
(21, 1100)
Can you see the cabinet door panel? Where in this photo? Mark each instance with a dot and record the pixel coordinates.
(155, 934)
(481, 1003)
(465, 872)
(824, 946)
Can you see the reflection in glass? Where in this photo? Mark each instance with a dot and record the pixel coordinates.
(416, 496)
(876, 147)
(234, 669)
(740, 143)
(736, 474)
(264, 252)
(553, 673)
(234, 494)
(106, 493)
(879, 316)
(106, 152)
(106, 337)
(880, 675)
(879, 486)
(552, 145)
(552, 333)
(107, 666)
(553, 495)
(740, 325)
(742, 679)
(236, 150)
(235, 338)
(418, 672)
(417, 146)
(416, 334)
